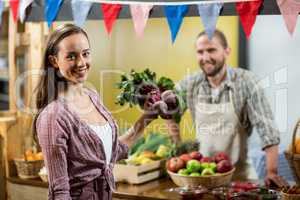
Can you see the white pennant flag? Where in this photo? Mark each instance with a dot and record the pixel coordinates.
(80, 9)
(209, 14)
(140, 15)
(22, 9)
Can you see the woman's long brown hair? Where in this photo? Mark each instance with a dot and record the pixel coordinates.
(51, 81)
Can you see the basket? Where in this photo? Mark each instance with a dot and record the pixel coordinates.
(44, 177)
(28, 169)
(285, 196)
(293, 158)
(209, 182)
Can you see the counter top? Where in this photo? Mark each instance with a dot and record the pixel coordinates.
(152, 190)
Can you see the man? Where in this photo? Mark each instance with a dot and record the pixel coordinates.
(226, 103)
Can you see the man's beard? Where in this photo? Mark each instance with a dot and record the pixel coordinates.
(217, 68)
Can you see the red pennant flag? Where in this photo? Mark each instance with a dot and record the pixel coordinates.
(14, 6)
(247, 12)
(110, 14)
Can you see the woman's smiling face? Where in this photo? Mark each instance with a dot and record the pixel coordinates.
(73, 58)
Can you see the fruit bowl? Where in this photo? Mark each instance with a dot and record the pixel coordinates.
(209, 181)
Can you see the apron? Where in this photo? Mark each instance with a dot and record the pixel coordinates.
(218, 129)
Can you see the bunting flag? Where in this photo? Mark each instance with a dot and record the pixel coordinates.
(14, 6)
(80, 10)
(289, 10)
(140, 15)
(51, 9)
(209, 14)
(174, 16)
(22, 9)
(1, 10)
(110, 14)
(247, 12)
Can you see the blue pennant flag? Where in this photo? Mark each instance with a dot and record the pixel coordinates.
(51, 9)
(209, 14)
(1, 10)
(80, 9)
(174, 16)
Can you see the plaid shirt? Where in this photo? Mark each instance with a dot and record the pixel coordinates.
(249, 100)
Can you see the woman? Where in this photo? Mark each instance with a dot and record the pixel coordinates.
(77, 134)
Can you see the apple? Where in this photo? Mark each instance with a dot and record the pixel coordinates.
(221, 156)
(204, 165)
(185, 157)
(183, 172)
(195, 174)
(224, 166)
(193, 166)
(213, 166)
(206, 159)
(207, 172)
(175, 164)
(196, 155)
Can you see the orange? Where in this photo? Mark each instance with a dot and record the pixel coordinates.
(38, 156)
(30, 158)
(297, 145)
(28, 152)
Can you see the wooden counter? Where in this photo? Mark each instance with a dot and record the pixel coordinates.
(153, 190)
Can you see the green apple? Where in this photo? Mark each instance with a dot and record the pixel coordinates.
(183, 172)
(207, 172)
(213, 166)
(204, 165)
(193, 166)
(195, 174)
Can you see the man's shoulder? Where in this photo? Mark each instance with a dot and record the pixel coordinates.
(240, 74)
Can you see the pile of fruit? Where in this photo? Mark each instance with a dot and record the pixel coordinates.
(31, 155)
(195, 164)
(155, 146)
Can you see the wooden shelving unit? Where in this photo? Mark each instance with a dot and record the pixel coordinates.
(24, 55)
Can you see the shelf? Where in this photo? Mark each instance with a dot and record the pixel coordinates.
(4, 97)
(4, 78)
(4, 74)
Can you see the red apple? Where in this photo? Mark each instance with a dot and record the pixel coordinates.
(196, 155)
(175, 164)
(206, 160)
(185, 157)
(221, 156)
(224, 166)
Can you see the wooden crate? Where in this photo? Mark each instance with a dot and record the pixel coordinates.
(139, 174)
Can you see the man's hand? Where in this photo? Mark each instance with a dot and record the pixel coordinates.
(273, 179)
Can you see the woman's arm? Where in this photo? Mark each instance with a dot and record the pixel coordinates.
(53, 141)
(136, 130)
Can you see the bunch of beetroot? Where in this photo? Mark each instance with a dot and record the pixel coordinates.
(144, 90)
